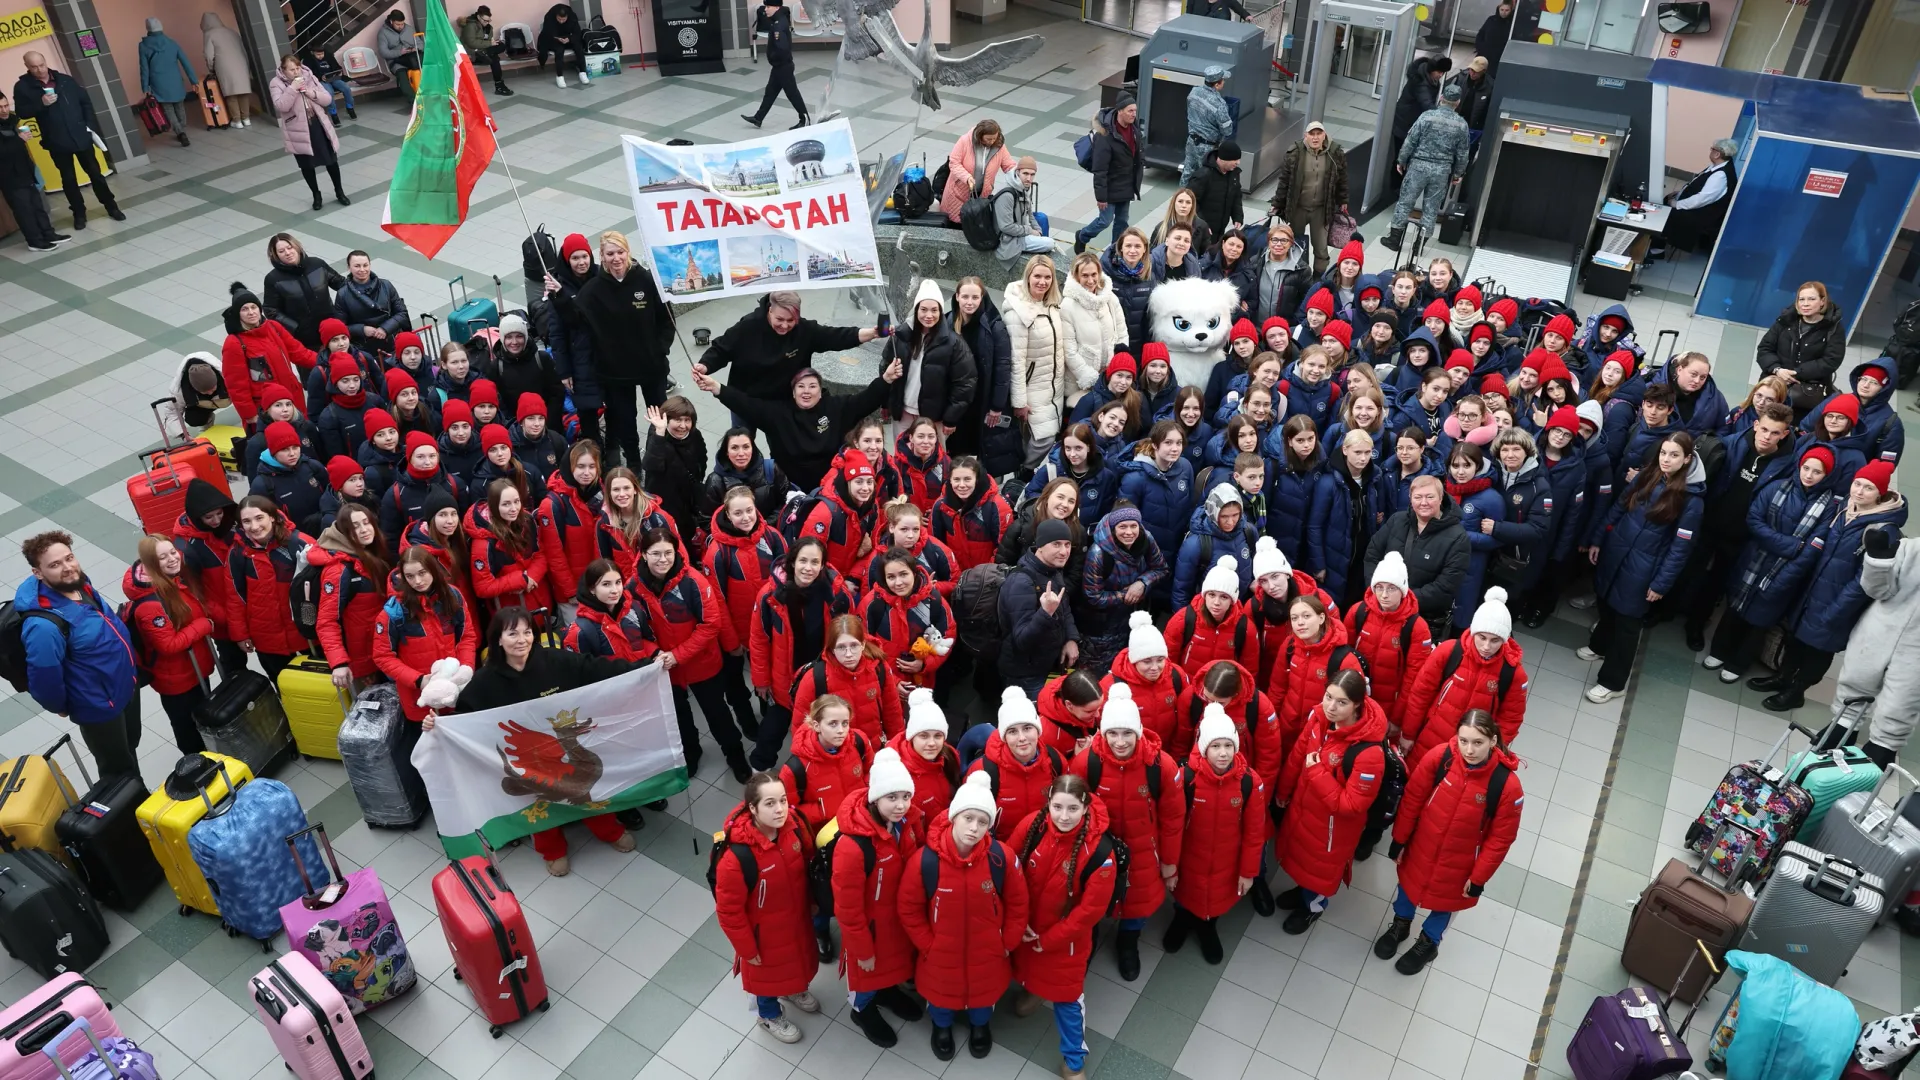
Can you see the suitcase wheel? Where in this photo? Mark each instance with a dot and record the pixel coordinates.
(496, 1031)
(548, 1004)
(185, 910)
(457, 976)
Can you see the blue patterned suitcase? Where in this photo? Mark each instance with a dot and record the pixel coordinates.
(243, 853)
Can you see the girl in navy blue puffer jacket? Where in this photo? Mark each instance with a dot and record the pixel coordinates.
(1469, 481)
(1296, 464)
(1131, 272)
(1785, 523)
(1349, 503)
(1159, 481)
(1644, 547)
(1563, 460)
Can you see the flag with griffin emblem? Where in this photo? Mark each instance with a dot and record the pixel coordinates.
(449, 143)
(513, 771)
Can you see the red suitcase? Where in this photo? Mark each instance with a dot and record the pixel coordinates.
(493, 951)
(191, 455)
(159, 491)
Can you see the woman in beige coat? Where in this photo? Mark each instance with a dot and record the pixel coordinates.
(1099, 324)
(1042, 339)
(227, 58)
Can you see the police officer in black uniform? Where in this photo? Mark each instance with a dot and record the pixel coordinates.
(774, 20)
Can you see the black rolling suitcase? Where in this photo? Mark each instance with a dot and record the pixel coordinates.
(103, 837)
(47, 919)
(243, 718)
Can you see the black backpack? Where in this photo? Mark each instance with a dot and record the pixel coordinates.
(13, 651)
(1406, 629)
(976, 606)
(996, 868)
(979, 225)
(793, 514)
(1496, 787)
(303, 596)
(1393, 784)
(142, 655)
(1108, 847)
(535, 248)
(991, 767)
(749, 866)
(1452, 664)
(820, 867)
(798, 767)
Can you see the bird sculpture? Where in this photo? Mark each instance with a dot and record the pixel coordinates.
(870, 31)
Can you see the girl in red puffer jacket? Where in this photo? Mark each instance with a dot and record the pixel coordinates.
(1458, 818)
(424, 621)
(265, 555)
(1226, 828)
(351, 555)
(569, 523)
(1386, 629)
(509, 569)
(829, 760)
(441, 532)
(882, 830)
(971, 516)
(847, 514)
(1214, 625)
(909, 620)
(788, 631)
(907, 530)
(963, 901)
(922, 746)
(920, 463)
(611, 624)
(1066, 854)
(1325, 794)
(1275, 584)
(852, 668)
(1480, 669)
(1158, 683)
(742, 550)
(1257, 726)
(1018, 763)
(691, 627)
(1071, 706)
(1140, 786)
(628, 513)
(1314, 650)
(761, 896)
(175, 634)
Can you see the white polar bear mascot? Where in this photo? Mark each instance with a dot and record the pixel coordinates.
(1193, 319)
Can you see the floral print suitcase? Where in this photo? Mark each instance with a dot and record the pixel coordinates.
(1754, 813)
(348, 931)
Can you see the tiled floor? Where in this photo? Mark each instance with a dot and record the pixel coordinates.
(640, 972)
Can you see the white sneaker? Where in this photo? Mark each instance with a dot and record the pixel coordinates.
(805, 1001)
(583, 79)
(780, 1028)
(1600, 695)
(561, 82)
(1712, 663)
(1728, 677)
(1582, 603)
(1585, 653)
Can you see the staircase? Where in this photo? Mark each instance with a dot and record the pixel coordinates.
(330, 22)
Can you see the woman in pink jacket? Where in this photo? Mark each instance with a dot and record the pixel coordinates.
(302, 102)
(975, 162)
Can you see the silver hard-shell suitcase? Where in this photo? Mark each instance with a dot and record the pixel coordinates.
(370, 747)
(1876, 837)
(1815, 912)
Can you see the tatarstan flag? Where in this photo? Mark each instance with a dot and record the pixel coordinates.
(448, 144)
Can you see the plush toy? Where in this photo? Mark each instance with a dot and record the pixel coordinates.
(444, 682)
(1193, 318)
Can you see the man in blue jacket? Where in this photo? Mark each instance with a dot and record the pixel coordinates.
(79, 654)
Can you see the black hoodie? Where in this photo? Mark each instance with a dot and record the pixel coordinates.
(764, 363)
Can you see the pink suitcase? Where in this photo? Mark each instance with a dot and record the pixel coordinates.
(29, 1024)
(311, 1026)
(347, 930)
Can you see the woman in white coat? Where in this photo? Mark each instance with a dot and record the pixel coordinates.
(1883, 652)
(1099, 324)
(1042, 341)
(227, 58)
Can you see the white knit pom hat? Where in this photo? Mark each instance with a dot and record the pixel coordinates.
(1015, 709)
(1269, 559)
(1143, 641)
(1491, 616)
(975, 794)
(1120, 713)
(923, 713)
(888, 775)
(1223, 578)
(1391, 571)
(1215, 725)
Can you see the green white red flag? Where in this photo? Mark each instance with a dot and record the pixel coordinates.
(449, 143)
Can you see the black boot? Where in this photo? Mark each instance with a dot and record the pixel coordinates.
(1534, 620)
(1364, 850)
(502, 90)
(183, 139)
(755, 121)
(1389, 942)
(829, 952)
(1418, 957)
(351, 115)
(1787, 700)
(943, 1043)
(1291, 900)
(1767, 684)
(737, 761)
(803, 122)
(1126, 950)
(1300, 921)
(1177, 930)
(341, 197)
(1908, 919)
(317, 201)
(1262, 895)
(900, 1003)
(1879, 755)
(1395, 237)
(1209, 934)
(980, 1041)
(1079, 245)
(874, 1026)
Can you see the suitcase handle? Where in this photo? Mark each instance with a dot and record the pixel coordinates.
(73, 803)
(460, 280)
(1836, 880)
(82, 1025)
(1767, 762)
(315, 901)
(148, 460)
(1885, 827)
(227, 801)
(160, 419)
(1705, 953)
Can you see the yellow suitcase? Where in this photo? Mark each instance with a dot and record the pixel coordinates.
(165, 820)
(34, 794)
(227, 441)
(315, 707)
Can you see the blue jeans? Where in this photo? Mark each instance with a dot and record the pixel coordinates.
(860, 999)
(1071, 1018)
(1115, 214)
(1133, 924)
(1313, 901)
(345, 88)
(1041, 219)
(943, 1018)
(1435, 926)
(768, 1007)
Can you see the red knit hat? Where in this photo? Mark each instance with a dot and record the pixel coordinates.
(377, 421)
(1821, 454)
(1554, 368)
(1625, 359)
(1370, 287)
(1881, 369)
(854, 465)
(276, 391)
(1614, 321)
(1877, 473)
(483, 392)
(1460, 358)
(454, 412)
(1537, 360)
(1561, 325)
(1242, 328)
(1437, 310)
(1154, 350)
(407, 339)
(281, 435)
(1480, 330)
(1271, 323)
(1354, 250)
(1565, 418)
(1469, 293)
(494, 435)
(1122, 361)
(340, 469)
(398, 380)
(1507, 309)
(530, 404)
(1846, 405)
(1339, 331)
(418, 439)
(574, 242)
(1322, 302)
(341, 366)
(1495, 383)
(330, 329)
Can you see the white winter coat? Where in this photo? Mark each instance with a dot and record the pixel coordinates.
(226, 57)
(1099, 326)
(1883, 652)
(1042, 341)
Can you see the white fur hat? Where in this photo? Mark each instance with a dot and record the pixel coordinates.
(923, 714)
(1491, 616)
(1120, 713)
(1223, 578)
(1269, 559)
(888, 775)
(1015, 709)
(1215, 725)
(1593, 413)
(1391, 571)
(975, 794)
(1143, 641)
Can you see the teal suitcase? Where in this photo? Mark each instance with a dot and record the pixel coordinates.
(471, 315)
(1829, 776)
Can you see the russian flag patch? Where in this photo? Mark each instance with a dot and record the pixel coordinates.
(1819, 543)
(1546, 504)
(1683, 534)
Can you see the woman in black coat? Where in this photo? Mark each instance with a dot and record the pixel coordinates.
(935, 358)
(299, 289)
(566, 332)
(987, 430)
(1804, 346)
(739, 462)
(676, 463)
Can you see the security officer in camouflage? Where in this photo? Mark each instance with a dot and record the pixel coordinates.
(1434, 155)
(1209, 121)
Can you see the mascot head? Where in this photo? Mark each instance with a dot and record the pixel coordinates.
(1193, 318)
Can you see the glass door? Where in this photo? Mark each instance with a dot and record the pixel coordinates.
(1357, 52)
